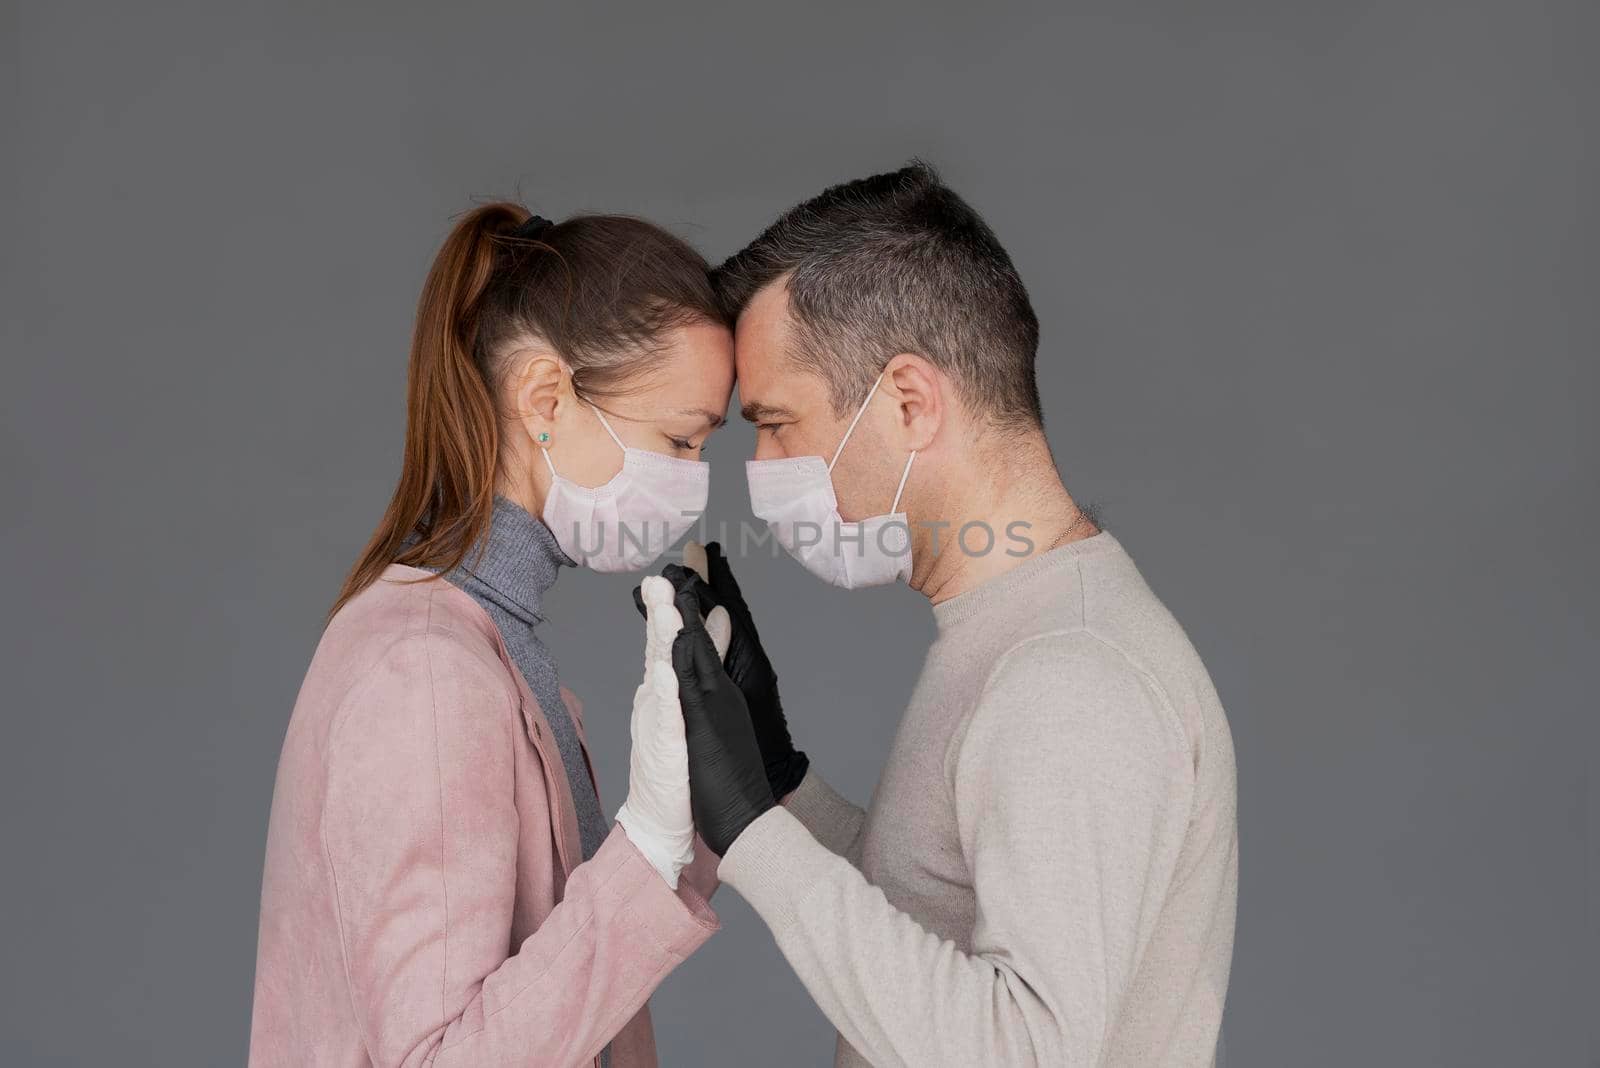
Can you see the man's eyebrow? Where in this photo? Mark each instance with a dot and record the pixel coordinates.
(713, 419)
(756, 412)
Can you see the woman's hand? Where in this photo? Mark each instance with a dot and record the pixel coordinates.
(656, 815)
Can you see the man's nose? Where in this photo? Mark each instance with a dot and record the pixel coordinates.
(767, 449)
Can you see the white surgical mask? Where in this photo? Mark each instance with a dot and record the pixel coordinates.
(626, 524)
(795, 496)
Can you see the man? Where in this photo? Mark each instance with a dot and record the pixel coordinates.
(1048, 872)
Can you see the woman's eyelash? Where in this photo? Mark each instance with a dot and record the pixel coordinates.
(680, 443)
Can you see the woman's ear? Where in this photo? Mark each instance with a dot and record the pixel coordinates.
(917, 387)
(541, 392)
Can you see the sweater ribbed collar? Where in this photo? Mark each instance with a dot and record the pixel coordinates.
(517, 562)
(1015, 584)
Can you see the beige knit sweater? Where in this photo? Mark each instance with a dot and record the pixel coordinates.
(1048, 872)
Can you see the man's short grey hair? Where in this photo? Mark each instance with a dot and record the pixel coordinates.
(897, 263)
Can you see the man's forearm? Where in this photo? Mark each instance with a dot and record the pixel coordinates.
(832, 820)
(897, 993)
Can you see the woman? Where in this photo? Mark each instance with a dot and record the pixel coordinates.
(441, 886)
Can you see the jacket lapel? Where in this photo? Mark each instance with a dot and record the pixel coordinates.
(563, 810)
(575, 710)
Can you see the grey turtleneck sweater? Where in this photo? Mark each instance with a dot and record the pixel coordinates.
(518, 563)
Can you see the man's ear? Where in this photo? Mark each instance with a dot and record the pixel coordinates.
(541, 389)
(917, 388)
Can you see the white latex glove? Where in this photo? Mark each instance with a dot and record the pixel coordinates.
(656, 814)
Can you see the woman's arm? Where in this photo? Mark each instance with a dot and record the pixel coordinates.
(420, 830)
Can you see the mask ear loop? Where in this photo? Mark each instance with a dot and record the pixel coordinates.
(859, 413)
(895, 507)
(601, 416)
(544, 450)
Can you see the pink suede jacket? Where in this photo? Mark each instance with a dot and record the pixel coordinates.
(424, 901)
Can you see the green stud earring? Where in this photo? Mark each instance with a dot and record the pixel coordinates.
(544, 436)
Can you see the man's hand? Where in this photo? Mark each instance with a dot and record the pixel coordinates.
(728, 785)
(747, 663)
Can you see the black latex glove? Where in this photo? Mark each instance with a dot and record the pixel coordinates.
(747, 665)
(727, 777)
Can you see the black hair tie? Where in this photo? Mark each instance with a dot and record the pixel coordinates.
(533, 228)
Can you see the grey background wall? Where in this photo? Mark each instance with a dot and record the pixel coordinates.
(1316, 283)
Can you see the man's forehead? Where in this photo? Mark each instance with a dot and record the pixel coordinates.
(769, 382)
(770, 305)
(762, 332)
(771, 387)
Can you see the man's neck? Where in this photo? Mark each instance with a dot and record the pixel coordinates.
(1013, 502)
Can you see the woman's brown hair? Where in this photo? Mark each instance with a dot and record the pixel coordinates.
(600, 290)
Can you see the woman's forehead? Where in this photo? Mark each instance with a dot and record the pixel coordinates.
(694, 378)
